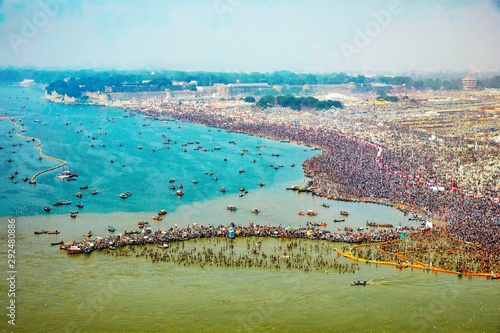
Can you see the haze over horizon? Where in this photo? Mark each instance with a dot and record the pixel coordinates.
(244, 36)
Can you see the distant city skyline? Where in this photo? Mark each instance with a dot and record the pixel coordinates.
(316, 36)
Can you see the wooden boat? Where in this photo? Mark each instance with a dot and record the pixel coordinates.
(79, 195)
(344, 213)
(142, 223)
(57, 243)
(39, 232)
(311, 213)
(371, 224)
(156, 218)
(300, 213)
(358, 283)
(53, 232)
(162, 212)
(325, 205)
(385, 225)
(83, 187)
(61, 203)
(255, 211)
(339, 220)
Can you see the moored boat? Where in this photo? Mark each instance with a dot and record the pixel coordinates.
(53, 232)
(46, 208)
(156, 218)
(231, 208)
(74, 250)
(344, 213)
(162, 212)
(111, 228)
(57, 243)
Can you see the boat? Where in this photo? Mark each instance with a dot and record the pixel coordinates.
(223, 190)
(339, 220)
(73, 214)
(385, 225)
(325, 205)
(261, 184)
(83, 187)
(358, 283)
(79, 205)
(57, 243)
(111, 228)
(123, 196)
(171, 180)
(371, 224)
(317, 224)
(344, 213)
(494, 277)
(156, 218)
(162, 212)
(179, 193)
(241, 171)
(39, 232)
(311, 213)
(89, 234)
(255, 211)
(172, 187)
(231, 207)
(94, 192)
(162, 246)
(74, 250)
(53, 232)
(300, 213)
(79, 195)
(195, 181)
(61, 203)
(46, 208)
(128, 194)
(67, 174)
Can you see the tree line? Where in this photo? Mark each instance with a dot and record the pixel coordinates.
(296, 103)
(95, 81)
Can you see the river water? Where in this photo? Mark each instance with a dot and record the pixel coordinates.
(56, 292)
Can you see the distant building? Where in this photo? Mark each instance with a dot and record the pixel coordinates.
(469, 82)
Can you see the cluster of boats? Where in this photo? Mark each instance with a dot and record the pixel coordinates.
(125, 195)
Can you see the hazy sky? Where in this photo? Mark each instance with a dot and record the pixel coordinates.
(248, 35)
